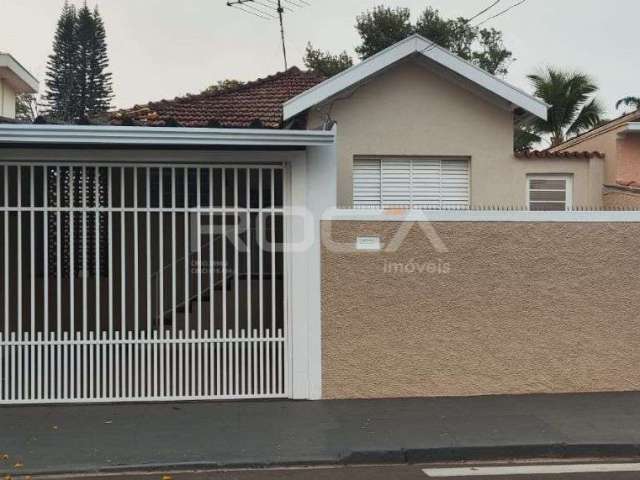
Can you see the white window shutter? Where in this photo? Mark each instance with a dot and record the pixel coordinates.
(411, 183)
(396, 183)
(426, 183)
(455, 184)
(366, 183)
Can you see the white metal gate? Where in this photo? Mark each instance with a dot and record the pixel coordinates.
(145, 282)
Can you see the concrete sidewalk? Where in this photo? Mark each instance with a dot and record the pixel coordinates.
(68, 439)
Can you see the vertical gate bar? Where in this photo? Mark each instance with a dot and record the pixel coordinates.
(126, 379)
(13, 366)
(65, 366)
(174, 279)
(77, 344)
(249, 276)
(180, 364)
(236, 289)
(92, 366)
(161, 266)
(32, 282)
(19, 259)
(84, 284)
(218, 372)
(96, 205)
(187, 262)
(186, 252)
(148, 251)
(224, 281)
(136, 283)
(254, 349)
(280, 363)
(6, 276)
(199, 275)
(104, 394)
(243, 364)
(267, 347)
(110, 272)
(261, 274)
(72, 275)
(45, 241)
(212, 291)
(153, 337)
(42, 374)
(59, 285)
(273, 279)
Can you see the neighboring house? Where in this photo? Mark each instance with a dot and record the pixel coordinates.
(619, 140)
(14, 80)
(147, 261)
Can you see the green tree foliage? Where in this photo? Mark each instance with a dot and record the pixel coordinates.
(574, 108)
(325, 63)
(382, 27)
(61, 67)
(525, 138)
(78, 85)
(27, 107)
(223, 85)
(630, 102)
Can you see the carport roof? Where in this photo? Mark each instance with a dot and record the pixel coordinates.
(160, 136)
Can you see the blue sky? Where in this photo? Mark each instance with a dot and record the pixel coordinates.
(164, 48)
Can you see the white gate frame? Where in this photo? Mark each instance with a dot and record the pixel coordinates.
(143, 345)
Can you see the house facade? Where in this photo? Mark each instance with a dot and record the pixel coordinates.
(619, 141)
(220, 246)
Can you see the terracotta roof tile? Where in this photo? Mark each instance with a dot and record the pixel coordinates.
(259, 101)
(546, 154)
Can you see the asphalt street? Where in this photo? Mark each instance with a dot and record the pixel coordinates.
(387, 472)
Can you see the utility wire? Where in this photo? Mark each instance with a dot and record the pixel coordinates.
(502, 12)
(270, 10)
(482, 12)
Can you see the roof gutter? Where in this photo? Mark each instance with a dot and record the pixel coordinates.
(160, 136)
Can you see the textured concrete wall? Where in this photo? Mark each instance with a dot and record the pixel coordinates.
(524, 308)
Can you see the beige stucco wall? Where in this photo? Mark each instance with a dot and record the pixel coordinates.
(525, 308)
(7, 100)
(413, 111)
(629, 159)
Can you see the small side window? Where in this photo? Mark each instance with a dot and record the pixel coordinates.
(549, 193)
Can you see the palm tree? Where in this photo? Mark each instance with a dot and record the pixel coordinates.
(573, 106)
(633, 102)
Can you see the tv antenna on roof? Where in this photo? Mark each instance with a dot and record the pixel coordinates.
(270, 10)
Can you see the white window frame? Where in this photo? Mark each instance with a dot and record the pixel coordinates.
(567, 177)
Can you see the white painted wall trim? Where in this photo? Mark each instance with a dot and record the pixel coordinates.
(19, 77)
(160, 136)
(365, 215)
(414, 44)
(313, 191)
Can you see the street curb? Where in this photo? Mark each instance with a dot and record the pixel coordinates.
(387, 457)
(496, 453)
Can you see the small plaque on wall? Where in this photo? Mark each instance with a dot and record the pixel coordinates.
(371, 244)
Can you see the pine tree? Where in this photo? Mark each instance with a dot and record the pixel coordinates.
(98, 81)
(77, 81)
(61, 68)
